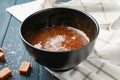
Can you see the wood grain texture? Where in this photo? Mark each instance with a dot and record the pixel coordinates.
(4, 17)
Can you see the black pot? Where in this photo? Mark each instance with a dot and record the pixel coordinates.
(64, 60)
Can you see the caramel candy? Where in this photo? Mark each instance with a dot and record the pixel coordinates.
(5, 73)
(1, 50)
(24, 67)
(2, 57)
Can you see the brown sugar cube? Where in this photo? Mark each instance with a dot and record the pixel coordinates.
(2, 57)
(5, 73)
(24, 67)
(1, 50)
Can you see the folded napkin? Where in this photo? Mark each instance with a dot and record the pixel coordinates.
(103, 63)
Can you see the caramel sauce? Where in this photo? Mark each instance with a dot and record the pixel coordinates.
(59, 39)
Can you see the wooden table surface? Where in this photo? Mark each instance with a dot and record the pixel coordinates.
(13, 48)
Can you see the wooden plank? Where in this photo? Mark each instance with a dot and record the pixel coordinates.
(4, 17)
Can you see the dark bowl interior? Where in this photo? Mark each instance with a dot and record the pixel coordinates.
(59, 16)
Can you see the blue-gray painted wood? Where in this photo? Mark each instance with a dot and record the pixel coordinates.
(4, 17)
(13, 48)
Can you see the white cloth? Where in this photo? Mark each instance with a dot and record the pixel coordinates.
(103, 63)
